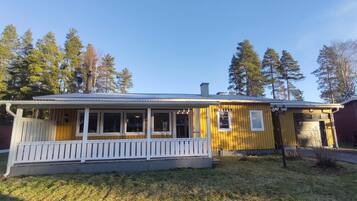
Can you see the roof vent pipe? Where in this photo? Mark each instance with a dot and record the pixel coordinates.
(204, 89)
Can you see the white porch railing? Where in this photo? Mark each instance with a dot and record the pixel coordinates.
(48, 151)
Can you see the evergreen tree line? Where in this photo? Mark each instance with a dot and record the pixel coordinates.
(249, 76)
(337, 73)
(28, 69)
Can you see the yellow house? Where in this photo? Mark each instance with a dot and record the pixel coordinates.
(78, 132)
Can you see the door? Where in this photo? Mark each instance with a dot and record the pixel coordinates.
(182, 126)
(308, 133)
(323, 133)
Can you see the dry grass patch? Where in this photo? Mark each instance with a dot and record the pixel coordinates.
(251, 178)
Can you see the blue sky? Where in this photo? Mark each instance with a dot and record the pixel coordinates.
(173, 46)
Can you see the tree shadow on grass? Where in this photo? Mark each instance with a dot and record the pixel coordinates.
(8, 198)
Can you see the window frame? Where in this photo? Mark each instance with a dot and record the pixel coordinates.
(125, 122)
(251, 120)
(100, 125)
(78, 123)
(170, 122)
(229, 121)
(102, 133)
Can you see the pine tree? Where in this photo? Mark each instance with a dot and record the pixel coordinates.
(327, 74)
(45, 61)
(124, 81)
(89, 69)
(8, 46)
(18, 87)
(236, 77)
(247, 71)
(270, 70)
(290, 71)
(346, 61)
(106, 75)
(71, 68)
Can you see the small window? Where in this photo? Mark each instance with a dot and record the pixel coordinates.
(224, 120)
(111, 122)
(92, 123)
(256, 120)
(161, 122)
(135, 122)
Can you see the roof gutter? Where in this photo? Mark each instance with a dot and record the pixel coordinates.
(292, 105)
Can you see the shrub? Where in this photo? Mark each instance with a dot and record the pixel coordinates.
(292, 155)
(323, 160)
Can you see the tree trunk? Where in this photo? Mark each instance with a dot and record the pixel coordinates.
(288, 88)
(272, 81)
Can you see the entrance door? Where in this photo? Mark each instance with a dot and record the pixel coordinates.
(182, 126)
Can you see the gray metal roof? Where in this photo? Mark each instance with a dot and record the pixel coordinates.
(167, 98)
(353, 98)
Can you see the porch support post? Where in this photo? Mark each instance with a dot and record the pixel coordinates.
(196, 122)
(148, 134)
(15, 135)
(208, 120)
(174, 135)
(85, 135)
(335, 145)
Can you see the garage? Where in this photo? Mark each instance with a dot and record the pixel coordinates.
(310, 130)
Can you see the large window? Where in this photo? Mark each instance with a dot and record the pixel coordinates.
(92, 124)
(134, 122)
(111, 122)
(224, 120)
(161, 122)
(256, 120)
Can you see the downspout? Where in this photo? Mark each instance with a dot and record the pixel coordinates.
(8, 110)
(334, 128)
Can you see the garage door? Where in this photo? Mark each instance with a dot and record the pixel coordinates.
(308, 133)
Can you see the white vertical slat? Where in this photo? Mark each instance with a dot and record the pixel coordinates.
(26, 152)
(38, 152)
(95, 150)
(105, 150)
(20, 152)
(72, 155)
(167, 148)
(50, 152)
(133, 147)
(55, 151)
(122, 151)
(79, 149)
(138, 149)
(117, 150)
(127, 149)
(191, 148)
(153, 148)
(32, 152)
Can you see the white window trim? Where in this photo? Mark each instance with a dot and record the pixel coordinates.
(125, 123)
(251, 120)
(102, 133)
(78, 134)
(100, 118)
(229, 122)
(153, 122)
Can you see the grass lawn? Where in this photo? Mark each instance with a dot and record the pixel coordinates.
(257, 178)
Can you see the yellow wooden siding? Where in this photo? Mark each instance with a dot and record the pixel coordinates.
(288, 127)
(240, 137)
